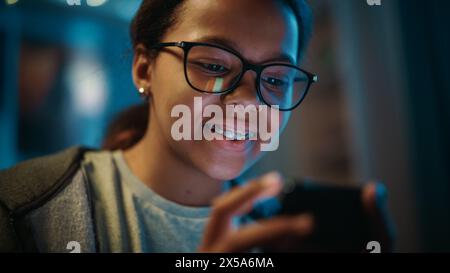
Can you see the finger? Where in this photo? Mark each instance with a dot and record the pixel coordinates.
(236, 202)
(268, 232)
(374, 198)
(240, 200)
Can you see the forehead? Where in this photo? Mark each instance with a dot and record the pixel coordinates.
(257, 29)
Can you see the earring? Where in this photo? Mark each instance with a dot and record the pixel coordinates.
(143, 93)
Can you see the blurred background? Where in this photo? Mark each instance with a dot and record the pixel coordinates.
(380, 111)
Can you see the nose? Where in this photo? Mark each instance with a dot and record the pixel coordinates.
(245, 92)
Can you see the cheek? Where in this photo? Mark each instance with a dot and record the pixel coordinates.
(284, 119)
(276, 121)
(168, 83)
(169, 91)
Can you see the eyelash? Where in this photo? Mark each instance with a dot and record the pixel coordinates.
(206, 66)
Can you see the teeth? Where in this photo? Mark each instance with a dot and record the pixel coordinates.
(239, 136)
(231, 134)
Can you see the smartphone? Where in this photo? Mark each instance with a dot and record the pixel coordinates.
(340, 224)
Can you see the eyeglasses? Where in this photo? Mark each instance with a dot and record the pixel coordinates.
(214, 69)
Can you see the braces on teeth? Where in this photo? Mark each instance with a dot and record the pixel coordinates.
(231, 134)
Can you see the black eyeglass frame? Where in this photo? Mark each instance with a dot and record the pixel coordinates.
(187, 46)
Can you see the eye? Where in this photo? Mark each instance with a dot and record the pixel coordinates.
(274, 82)
(215, 67)
(212, 68)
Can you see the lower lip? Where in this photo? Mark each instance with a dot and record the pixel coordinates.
(240, 146)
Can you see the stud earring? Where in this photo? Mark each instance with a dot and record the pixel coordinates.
(143, 93)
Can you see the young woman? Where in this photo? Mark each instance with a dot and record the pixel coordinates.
(167, 195)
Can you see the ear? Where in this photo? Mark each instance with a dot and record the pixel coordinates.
(142, 68)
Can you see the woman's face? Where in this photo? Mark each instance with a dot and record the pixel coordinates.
(262, 32)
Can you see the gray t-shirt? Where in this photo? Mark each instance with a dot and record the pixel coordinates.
(131, 217)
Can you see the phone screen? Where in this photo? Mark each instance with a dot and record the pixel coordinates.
(340, 224)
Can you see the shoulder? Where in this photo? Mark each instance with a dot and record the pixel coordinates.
(32, 184)
(33, 178)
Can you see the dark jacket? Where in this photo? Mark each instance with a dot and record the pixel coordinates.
(45, 203)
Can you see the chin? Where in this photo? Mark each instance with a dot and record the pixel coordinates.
(224, 173)
(225, 169)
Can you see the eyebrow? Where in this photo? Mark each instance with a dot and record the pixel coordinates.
(283, 57)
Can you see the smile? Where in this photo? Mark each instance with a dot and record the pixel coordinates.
(211, 122)
(231, 134)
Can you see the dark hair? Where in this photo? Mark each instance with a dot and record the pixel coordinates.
(152, 20)
(155, 17)
(127, 128)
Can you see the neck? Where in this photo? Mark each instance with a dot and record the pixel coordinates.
(154, 162)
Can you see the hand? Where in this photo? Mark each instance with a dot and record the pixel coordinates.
(221, 236)
(375, 204)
